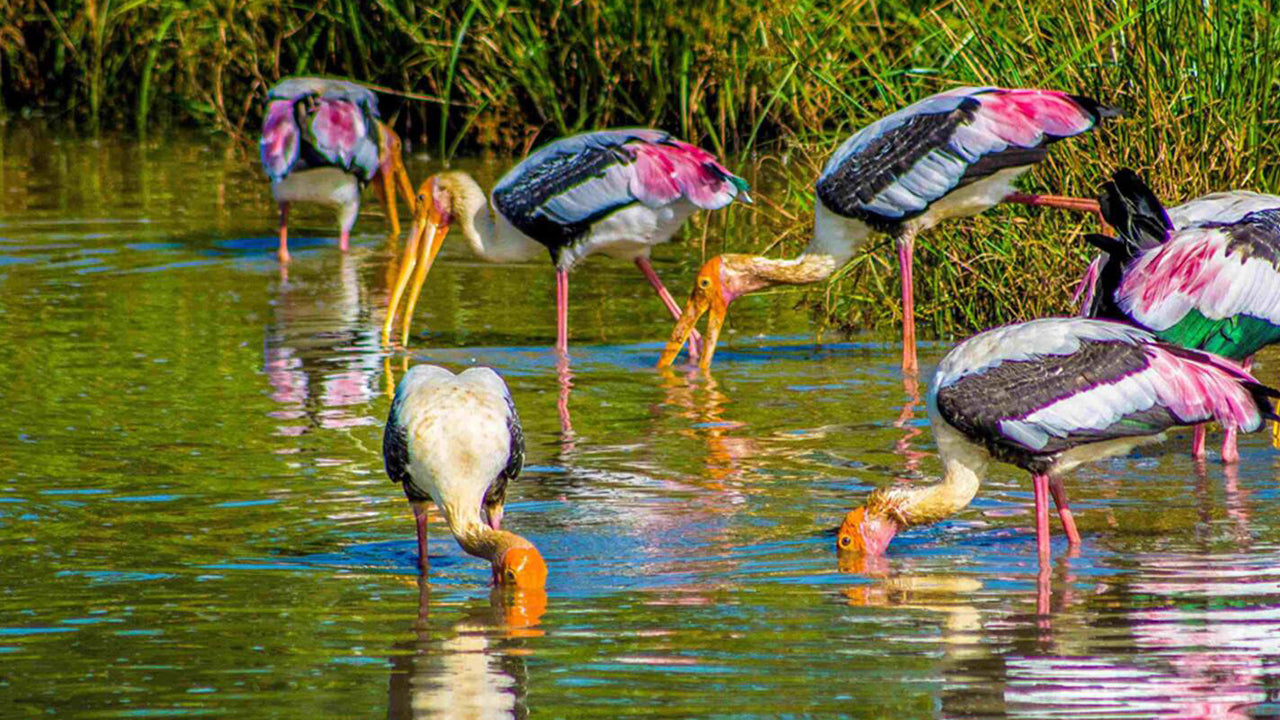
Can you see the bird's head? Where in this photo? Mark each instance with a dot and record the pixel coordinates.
(866, 530)
(721, 280)
(521, 567)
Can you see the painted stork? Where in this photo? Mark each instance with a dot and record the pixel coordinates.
(616, 192)
(1047, 396)
(1205, 275)
(456, 440)
(949, 155)
(322, 142)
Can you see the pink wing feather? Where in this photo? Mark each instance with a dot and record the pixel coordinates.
(666, 171)
(279, 144)
(1203, 388)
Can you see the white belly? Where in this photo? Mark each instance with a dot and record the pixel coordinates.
(326, 186)
(629, 233)
(968, 200)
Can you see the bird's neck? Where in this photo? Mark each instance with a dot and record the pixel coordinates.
(478, 539)
(493, 240)
(964, 465)
(767, 272)
(836, 236)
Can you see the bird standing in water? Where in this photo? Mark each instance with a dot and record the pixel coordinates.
(616, 192)
(456, 440)
(953, 154)
(1205, 275)
(1049, 395)
(322, 142)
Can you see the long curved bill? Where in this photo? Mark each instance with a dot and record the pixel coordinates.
(699, 303)
(425, 238)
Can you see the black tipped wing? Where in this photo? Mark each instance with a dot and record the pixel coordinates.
(994, 405)
(1130, 206)
(395, 445)
(497, 493)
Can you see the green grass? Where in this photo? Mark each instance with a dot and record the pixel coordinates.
(776, 84)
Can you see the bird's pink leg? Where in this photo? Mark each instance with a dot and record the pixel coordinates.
(1064, 511)
(284, 232)
(695, 339)
(1197, 442)
(906, 246)
(344, 239)
(562, 310)
(420, 516)
(1040, 486)
(1057, 201)
(1230, 447)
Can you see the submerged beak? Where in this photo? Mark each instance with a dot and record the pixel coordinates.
(425, 238)
(521, 567)
(706, 297)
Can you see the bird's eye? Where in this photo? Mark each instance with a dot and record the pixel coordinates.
(704, 283)
(422, 198)
(845, 540)
(511, 575)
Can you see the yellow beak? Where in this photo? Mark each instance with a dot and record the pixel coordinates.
(425, 239)
(701, 301)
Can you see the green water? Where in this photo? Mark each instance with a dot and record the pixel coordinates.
(194, 519)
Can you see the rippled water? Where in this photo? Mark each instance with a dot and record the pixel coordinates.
(194, 518)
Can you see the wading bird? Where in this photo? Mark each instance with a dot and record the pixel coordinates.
(1047, 396)
(616, 192)
(1205, 275)
(949, 155)
(456, 440)
(322, 142)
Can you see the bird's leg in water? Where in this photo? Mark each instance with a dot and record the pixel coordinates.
(564, 376)
(911, 386)
(1197, 441)
(420, 517)
(695, 338)
(562, 311)
(1040, 486)
(1230, 448)
(1064, 510)
(906, 246)
(284, 232)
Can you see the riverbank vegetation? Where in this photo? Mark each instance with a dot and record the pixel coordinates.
(769, 84)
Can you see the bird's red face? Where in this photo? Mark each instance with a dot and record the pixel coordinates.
(862, 532)
(708, 295)
(521, 567)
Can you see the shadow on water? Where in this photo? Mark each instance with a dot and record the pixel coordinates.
(194, 518)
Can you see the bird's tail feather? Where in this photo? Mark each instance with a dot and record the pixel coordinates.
(1134, 211)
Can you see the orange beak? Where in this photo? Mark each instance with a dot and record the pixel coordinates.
(707, 296)
(863, 533)
(425, 239)
(523, 568)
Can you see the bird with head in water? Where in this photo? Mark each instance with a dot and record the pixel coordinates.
(456, 440)
(1049, 395)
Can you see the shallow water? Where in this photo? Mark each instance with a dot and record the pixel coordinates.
(194, 519)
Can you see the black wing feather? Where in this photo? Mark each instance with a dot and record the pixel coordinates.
(977, 404)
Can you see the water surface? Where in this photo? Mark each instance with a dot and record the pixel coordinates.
(194, 519)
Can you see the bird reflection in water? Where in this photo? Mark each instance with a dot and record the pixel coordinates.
(702, 404)
(945, 594)
(474, 668)
(311, 353)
